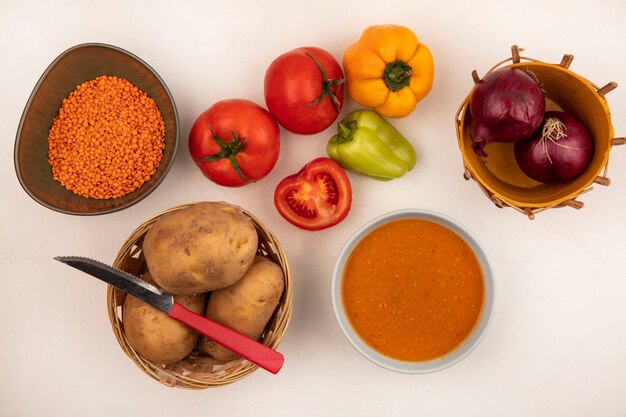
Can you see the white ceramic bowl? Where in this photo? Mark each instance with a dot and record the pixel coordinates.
(437, 364)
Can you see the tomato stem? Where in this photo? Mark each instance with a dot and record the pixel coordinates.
(327, 86)
(228, 150)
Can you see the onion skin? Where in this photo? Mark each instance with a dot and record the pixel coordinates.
(507, 105)
(556, 161)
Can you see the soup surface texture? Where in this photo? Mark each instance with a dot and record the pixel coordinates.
(413, 290)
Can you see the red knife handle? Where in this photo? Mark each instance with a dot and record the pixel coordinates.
(255, 352)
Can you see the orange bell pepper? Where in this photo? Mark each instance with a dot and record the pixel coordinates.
(388, 69)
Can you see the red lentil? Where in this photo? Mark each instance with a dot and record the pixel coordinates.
(107, 139)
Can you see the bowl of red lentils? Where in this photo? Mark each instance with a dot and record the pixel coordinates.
(98, 134)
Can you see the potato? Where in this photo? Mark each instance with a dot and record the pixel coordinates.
(201, 248)
(156, 336)
(245, 306)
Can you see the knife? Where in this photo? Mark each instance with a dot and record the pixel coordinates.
(252, 350)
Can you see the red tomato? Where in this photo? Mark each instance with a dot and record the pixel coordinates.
(304, 90)
(235, 142)
(317, 197)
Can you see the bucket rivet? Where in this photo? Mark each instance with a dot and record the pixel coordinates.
(607, 88)
(618, 141)
(602, 181)
(574, 204)
(567, 60)
(515, 53)
(475, 77)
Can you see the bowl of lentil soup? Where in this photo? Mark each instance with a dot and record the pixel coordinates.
(98, 134)
(413, 291)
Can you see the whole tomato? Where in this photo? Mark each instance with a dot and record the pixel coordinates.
(304, 90)
(235, 142)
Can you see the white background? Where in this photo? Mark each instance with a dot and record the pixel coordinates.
(557, 344)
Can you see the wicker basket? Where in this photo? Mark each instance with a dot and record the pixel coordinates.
(198, 370)
(498, 175)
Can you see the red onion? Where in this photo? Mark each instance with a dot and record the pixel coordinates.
(507, 105)
(558, 152)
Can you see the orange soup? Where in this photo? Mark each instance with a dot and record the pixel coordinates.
(413, 290)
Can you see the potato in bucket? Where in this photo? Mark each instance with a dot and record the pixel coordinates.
(156, 336)
(246, 306)
(202, 248)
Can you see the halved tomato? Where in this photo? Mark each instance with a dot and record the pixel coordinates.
(317, 197)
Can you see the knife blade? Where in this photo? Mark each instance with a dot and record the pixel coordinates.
(255, 352)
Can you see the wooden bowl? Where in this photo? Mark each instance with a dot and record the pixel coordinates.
(76, 65)
(198, 370)
(498, 174)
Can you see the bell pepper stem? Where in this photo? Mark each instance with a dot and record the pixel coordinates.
(346, 131)
(397, 75)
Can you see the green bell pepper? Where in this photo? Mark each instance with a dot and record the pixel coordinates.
(368, 144)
